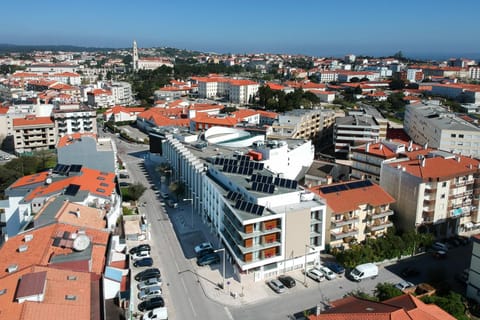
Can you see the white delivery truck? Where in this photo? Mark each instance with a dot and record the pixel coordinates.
(364, 271)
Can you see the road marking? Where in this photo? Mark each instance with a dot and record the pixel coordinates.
(191, 306)
(183, 283)
(228, 313)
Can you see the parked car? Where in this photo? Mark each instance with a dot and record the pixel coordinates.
(440, 254)
(402, 285)
(335, 267)
(315, 274)
(140, 255)
(144, 262)
(156, 314)
(211, 258)
(287, 281)
(172, 204)
(157, 281)
(439, 246)
(124, 184)
(147, 274)
(276, 286)
(152, 303)
(203, 246)
(141, 247)
(149, 292)
(203, 252)
(329, 274)
(409, 272)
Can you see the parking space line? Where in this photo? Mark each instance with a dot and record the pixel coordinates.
(227, 311)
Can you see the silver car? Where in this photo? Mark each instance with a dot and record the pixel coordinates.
(315, 274)
(329, 274)
(276, 286)
(149, 283)
(149, 292)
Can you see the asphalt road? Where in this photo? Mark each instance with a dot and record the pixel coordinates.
(183, 294)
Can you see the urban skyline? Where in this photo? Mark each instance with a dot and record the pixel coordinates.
(426, 29)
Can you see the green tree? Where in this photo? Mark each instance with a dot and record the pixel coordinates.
(135, 191)
(177, 188)
(384, 291)
(452, 303)
(397, 84)
(164, 169)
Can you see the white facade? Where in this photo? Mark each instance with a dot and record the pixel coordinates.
(412, 74)
(70, 120)
(242, 93)
(435, 126)
(327, 76)
(121, 93)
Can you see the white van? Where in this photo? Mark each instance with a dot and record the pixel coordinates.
(157, 314)
(364, 271)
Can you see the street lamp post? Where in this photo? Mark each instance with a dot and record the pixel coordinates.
(223, 267)
(307, 246)
(191, 200)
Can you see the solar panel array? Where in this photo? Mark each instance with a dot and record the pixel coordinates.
(72, 190)
(263, 187)
(62, 169)
(249, 207)
(240, 165)
(285, 183)
(346, 186)
(261, 178)
(234, 196)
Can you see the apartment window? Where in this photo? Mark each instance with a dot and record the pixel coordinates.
(460, 135)
(453, 135)
(442, 196)
(444, 184)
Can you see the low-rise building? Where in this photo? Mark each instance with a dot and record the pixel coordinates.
(33, 133)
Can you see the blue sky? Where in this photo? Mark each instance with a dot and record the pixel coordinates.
(314, 27)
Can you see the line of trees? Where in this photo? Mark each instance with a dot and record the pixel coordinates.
(281, 101)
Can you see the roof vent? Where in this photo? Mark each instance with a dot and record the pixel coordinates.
(12, 268)
(28, 237)
(23, 248)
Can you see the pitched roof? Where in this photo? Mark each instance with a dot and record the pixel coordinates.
(31, 284)
(347, 198)
(32, 121)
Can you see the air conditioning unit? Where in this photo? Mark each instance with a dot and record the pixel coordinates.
(12, 268)
(28, 237)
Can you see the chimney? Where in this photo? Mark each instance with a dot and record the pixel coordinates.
(381, 146)
(367, 148)
(458, 159)
(317, 310)
(425, 146)
(423, 162)
(78, 213)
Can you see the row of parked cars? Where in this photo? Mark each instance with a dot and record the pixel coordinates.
(149, 285)
(206, 255)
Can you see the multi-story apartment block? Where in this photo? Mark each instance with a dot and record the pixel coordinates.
(437, 192)
(242, 91)
(74, 118)
(261, 216)
(358, 128)
(367, 159)
(441, 129)
(313, 124)
(473, 283)
(468, 93)
(100, 98)
(474, 73)
(356, 210)
(33, 133)
(121, 92)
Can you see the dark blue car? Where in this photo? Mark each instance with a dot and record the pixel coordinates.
(145, 262)
(335, 267)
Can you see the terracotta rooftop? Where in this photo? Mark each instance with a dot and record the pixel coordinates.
(32, 121)
(71, 138)
(349, 196)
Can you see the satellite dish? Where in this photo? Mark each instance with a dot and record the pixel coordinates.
(48, 181)
(81, 242)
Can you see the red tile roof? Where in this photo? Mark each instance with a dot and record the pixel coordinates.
(32, 121)
(71, 138)
(352, 199)
(439, 167)
(398, 308)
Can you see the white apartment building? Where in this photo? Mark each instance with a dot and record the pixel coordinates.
(267, 224)
(100, 98)
(358, 128)
(121, 92)
(73, 118)
(435, 126)
(313, 124)
(242, 91)
(467, 93)
(327, 76)
(474, 73)
(412, 74)
(438, 192)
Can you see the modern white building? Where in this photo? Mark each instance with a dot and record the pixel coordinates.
(74, 118)
(441, 129)
(242, 91)
(121, 92)
(251, 202)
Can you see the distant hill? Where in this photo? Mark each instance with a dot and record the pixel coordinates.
(8, 48)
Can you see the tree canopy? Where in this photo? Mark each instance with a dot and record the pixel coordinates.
(281, 101)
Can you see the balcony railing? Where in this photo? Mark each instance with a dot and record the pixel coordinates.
(382, 214)
(381, 226)
(344, 234)
(345, 221)
(258, 247)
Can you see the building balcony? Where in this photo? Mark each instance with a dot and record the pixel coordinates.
(344, 234)
(380, 226)
(345, 221)
(430, 187)
(381, 214)
(314, 234)
(258, 247)
(258, 233)
(62, 124)
(34, 138)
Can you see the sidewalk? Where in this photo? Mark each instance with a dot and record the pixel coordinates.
(210, 277)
